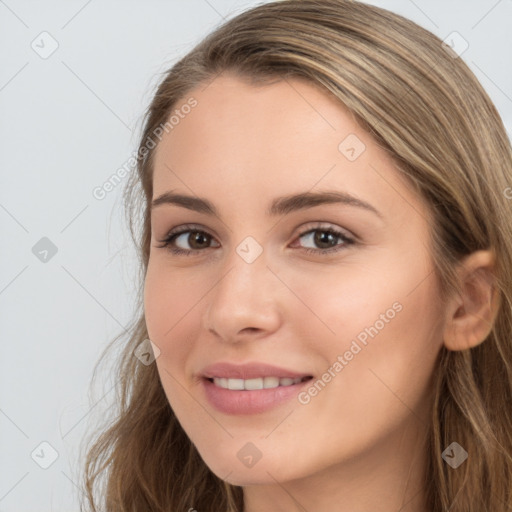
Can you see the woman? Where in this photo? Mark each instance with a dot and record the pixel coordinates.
(326, 256)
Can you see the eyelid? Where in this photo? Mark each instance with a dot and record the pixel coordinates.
(168, 239)
(183, 228)
(328, 226)
(348, 237)
(309, 226)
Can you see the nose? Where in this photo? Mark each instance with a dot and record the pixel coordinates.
(244, 303)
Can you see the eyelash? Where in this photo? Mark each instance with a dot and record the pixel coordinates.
(172, 235)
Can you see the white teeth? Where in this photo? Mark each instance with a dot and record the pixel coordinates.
(258, 383)
(236, 384)
(254, 384)
(270, 382)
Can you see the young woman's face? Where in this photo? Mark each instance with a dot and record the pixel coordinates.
(339, 288)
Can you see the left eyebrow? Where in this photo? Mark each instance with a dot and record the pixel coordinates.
(280, 205)
(288, 204)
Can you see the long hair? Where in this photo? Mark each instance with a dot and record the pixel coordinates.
(423, 105)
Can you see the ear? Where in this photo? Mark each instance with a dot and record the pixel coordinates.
(470, 315)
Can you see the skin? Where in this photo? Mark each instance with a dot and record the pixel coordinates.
(357, 444)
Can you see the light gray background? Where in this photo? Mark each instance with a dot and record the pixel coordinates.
(67, 123)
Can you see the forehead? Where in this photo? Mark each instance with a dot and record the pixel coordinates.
(245, 142)
(235, 120)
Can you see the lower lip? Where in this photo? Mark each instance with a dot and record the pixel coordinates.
(249, 401)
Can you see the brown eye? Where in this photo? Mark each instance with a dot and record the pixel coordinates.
(195, 239)
(325, 240)
(187, 241)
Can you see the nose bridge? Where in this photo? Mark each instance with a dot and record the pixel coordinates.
(245, 277)
(243, 297)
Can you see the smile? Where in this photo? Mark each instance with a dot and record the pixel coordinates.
(256, 383)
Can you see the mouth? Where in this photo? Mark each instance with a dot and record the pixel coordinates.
(234, 396)
(270, 382)
(250, 388)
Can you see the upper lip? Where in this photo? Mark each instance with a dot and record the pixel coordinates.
(248, 371)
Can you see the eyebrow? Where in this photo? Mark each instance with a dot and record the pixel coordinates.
(280, 205)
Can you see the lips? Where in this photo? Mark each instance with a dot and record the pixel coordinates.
(249, 371)
(238, 389)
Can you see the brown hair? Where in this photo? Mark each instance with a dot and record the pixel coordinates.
(425, 107)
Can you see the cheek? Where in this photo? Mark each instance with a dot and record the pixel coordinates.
(387, 332)
(337, 304)
(395, 299)
(384, 317)
(172, 303)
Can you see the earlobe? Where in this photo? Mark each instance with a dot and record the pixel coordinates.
(470, 315)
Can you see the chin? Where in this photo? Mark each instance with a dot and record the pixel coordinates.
(245, 477)
(235, 472)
